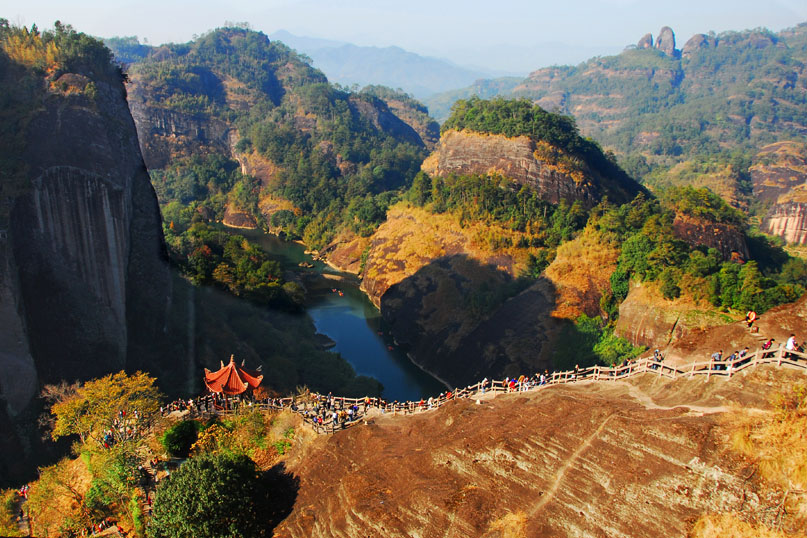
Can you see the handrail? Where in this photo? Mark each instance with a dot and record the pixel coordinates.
(328, 414)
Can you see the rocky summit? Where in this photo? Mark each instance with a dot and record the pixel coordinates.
(636, 458)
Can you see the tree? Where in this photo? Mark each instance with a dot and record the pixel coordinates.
(119, 402)
(212, 496)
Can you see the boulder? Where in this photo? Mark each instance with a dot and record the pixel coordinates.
(646, 42)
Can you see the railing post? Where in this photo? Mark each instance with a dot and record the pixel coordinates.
(709, 373)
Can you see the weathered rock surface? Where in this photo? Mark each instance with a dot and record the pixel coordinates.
(468, 153)
(697, 42)
(84, 280)
(236, 218)
(442, 295)
(788, 221)
(647, 319)
(779, 176)
(778, 169)
(666, 41)
(165, 135)
(646, 42)
(623, 459)
(726, 238)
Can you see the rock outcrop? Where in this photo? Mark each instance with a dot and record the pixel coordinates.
(524, 161)
(779, 175)
(444, 297)
(666, 41)
(778, 169)
(646, 42)
(165, 135)
(647, 319)
(787, 220)
(729, 239)
(84, 279)
(697, 42)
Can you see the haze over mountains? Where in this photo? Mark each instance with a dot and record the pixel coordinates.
(347, 64)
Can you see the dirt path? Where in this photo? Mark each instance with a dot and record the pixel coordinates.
(22, 524)
(561, 473)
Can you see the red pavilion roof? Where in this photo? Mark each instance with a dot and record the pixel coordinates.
(232, 379)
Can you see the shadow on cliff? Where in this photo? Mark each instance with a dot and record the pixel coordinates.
(282, 488)
(462, 320)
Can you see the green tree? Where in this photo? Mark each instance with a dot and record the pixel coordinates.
(212, 496)
(179, 438)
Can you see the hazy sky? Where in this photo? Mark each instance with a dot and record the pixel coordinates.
(511, 35)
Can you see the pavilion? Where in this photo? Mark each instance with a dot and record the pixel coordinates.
(232, 380)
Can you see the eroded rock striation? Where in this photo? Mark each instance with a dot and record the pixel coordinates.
(84, 279)
(779, 175)
(623, 459)
(789, 221)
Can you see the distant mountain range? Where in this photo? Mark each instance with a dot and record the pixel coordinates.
(348, 64)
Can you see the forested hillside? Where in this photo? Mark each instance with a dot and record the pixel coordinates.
(711, 105)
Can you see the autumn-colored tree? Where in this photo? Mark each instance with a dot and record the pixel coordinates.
(122, 403)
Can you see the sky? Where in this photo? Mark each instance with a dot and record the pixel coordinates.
(514, 36)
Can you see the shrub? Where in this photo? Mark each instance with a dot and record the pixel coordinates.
(179, 438)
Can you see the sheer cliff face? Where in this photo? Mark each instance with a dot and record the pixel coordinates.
(85, 264)
(779, 174)
(789, 221)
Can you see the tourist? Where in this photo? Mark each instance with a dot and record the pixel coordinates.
(716, 357)
(750, 318)
(790, 345)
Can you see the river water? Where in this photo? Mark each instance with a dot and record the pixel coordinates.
(352, 322)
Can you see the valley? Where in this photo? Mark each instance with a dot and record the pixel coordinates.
(221, 197)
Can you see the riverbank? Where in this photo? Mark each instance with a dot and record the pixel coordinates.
(343, 313)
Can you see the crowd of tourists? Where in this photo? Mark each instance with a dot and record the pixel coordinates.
(327, 413)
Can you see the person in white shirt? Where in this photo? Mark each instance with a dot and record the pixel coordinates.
(790, 345)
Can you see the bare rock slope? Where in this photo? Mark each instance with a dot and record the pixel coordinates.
(621, 459)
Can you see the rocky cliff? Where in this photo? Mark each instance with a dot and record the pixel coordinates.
(447, 297)
(729, 239)
(537, 165)
(647, 319)
(84, 281)
(787, 220)
(779, 175)
(165, 135)
(642, 458)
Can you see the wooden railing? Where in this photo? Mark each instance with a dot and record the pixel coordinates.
(305, 405)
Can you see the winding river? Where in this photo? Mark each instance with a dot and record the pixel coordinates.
(343, 313)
